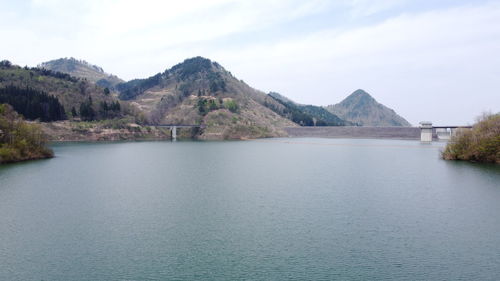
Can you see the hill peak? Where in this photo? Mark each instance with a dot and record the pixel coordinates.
(361, 108)
(195, 65)
(193, 74)
(69, 64)
(357, 96)
(360, 92)
(82, 69)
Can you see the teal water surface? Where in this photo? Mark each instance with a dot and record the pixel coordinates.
(277, 209)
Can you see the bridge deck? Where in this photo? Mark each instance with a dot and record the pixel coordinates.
(451, 127)
(176, 125)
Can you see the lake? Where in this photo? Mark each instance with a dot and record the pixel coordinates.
(272, 209)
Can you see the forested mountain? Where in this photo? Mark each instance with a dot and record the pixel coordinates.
(305, 115)
(364, 110)
(43, 90)
(82, 69)
(199, 91)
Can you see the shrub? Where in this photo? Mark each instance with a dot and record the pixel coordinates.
(231, 105)
(480, 144)
(18, 139)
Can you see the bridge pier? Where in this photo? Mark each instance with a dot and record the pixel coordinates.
(426, 131)
(173, 128)
(173, 131)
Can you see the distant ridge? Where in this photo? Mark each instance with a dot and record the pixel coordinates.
(361, 108)
(305, 115)
(82, 69)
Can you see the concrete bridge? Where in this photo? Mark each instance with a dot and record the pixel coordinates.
(429, 132)
(173, 128)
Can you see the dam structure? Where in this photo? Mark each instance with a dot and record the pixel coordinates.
(426, 132)
(409, 133)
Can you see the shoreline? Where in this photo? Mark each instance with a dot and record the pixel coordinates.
(94, 132)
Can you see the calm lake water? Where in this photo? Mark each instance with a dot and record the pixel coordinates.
(277, 209)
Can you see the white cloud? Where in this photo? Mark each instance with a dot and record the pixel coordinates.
(151, 32)
(362, 8)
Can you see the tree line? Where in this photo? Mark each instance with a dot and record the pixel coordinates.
(33, 104)
(106, 110)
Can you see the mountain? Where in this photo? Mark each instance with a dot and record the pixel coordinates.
(199, 91)
(82, 69)
(364, 110)
(54, 95)
(305, 115)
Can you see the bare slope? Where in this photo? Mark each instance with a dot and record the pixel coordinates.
(82, 69)
(364, 110)
(199, 91)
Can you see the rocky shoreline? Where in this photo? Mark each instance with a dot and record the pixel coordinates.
(116, 130)
(66, 131)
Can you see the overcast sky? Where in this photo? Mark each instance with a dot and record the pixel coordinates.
(433, 60)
